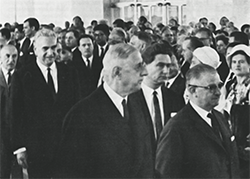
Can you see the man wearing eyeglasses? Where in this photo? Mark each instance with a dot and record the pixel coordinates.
(196, 142)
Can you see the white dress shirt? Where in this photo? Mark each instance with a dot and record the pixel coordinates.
(6, 75)
(171, 81)
(148, 94)
(86, 62)
(100, 49)
(115, 98)
(202, 113)
(53, 72)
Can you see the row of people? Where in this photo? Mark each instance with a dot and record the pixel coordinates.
(31, 120)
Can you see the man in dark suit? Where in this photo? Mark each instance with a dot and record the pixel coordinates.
(105, 135)
(71, 38)
(41, 94)
(88, 65)
(30, 27)
(175, 80)
(101, 34)
(157, 60)
(5, 149)
(196, 142)
(8, 60)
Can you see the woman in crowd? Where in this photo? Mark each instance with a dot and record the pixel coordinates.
(237, 102)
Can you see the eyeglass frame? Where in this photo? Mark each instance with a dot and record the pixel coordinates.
(211, 87)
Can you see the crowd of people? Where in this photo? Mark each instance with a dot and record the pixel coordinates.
(129, 100)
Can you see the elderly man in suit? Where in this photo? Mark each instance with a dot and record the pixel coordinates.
(105, 135)
(5, 149)
(196, 142)
(41, 94)
(8, 60)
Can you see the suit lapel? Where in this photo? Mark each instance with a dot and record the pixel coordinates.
(166, 104)
(225, 132)
(39, 80)
(111, 117)
(2, 79)
(203, 127)
(140, 130)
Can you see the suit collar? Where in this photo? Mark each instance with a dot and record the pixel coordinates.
(135, 133)
(2, 79)
(203, 127)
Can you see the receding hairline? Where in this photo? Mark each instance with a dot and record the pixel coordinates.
(8, 46)
(118, 53)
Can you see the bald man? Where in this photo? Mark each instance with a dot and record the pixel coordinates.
(105, 135)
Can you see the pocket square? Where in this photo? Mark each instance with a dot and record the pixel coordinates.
(173, 114)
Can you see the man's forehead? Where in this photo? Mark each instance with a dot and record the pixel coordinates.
(208, 78)
(201, 34)
(98, 32)
(8, 50)
(70, 34)
(46, 40)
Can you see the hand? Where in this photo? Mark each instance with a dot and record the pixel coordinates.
(248, 138)
(247, 149)
(22, 159)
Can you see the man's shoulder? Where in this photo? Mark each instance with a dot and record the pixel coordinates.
(182, 118)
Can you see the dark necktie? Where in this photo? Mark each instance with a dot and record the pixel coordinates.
(50, 82)
(125, 109)
(88, 63)
(9, 77)
(167, 85)
(102, 52)
(26, 45)
(158, 121)
(215, 125)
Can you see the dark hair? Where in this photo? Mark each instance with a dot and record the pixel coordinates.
(194, 42)
(75, 32)
(158, 48)
(119, 23)
(33, 22)
(83, 37)
(143, 19)
(222, 38)
(203, 18)
(77, 17)
(128, 25)
(213, 25)
(144, 36)
(5, 33)
(231, 45)
(244, 26)
(160, 26)
(174, 28)
(240, 37)
(102, 27)
(19, 27)
(221, 32)
(206, 30)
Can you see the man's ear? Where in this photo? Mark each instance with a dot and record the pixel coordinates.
(116, 71)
